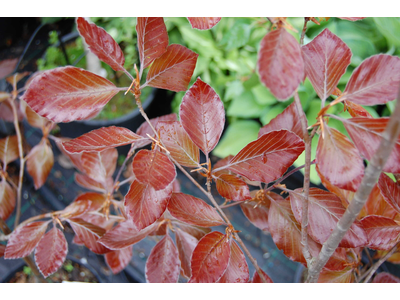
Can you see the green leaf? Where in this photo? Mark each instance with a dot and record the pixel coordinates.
(237, 36)
(390, 28)
(233, 90)
(263, 96)
(271, 112)
(245, 106)
(236, 137)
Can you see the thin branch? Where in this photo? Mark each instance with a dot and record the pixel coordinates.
(303, 33)
(372, 173)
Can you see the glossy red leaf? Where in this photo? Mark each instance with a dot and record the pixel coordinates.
(185, 244)
(39, 163)
(145, 205)
(178, 143)
(343, 276)
(210, 258)
(33, 118)
(7, 199)
(84, 203)
(89, 183)
(89, 234)
(366, 134)
(237, 270)
(202, 115)
(51, 252)
(222, 163)
(338, 160)
(326, 58)
(194, 211)
(9, 149)
(101, 139)
(390, 191)
(289, 119)
(68, 94)
(374, 81)
(280, 63)
(377, 205)
(203, 23)
(172, 70)
(356, 110)
(268, 157)
(383, 233)
(163, 265)
(195, 231)
(154, 168)
(100, 165)
(325, 210)
(384, 277)
(152, 39)
(24, 239)
(232, 188)
(118, 260)
(257, 278)
(101, 44)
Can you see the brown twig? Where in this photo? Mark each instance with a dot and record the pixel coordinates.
(303, 32)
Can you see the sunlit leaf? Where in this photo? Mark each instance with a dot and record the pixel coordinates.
(7, 199)
(33, 118)
(67, 94)
(377, 205)
(39, 163)
(386, 278)
(257, 278)
(390, 191)
(84, 203)
(356, 110)
(100, 165)
(185, 244)
(237, 270)
(172, 70)
(383, 233)
(203, 23)
(220, 164)
(196, 231)
(343, 276)
(280, 63)
(163, 265)
(101, 44)
(118, 260)
(51, 252)
(9, 149)
(232, 188)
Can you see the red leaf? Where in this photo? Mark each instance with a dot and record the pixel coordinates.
(222, 163)
(145, 205)
(202, 115)
(6, 112)
(343, 276)
(89, 183)
(193, 211)
(338, 160)
(152, 39)
(366, 134)
(101, 44)
(39, 163)
(326, 58)
(84, 203)
(9, 149)
(51, 252)
(33, 118)
(153, 168)
(185, 244)
(390, 191)
(356, 110)
(7, 199)
(232, 188)
(268, 157)
(101, 139)
(172, 70)
(89, 234)
(100, 165)
(178, 143)
(377, 205)
(118, 260)
(385, 278)
(289, 119)
(210, 258)
(325, 210)
(163, 263)
(24, 239)
(383, 233)
(203, 23)
(68, 94)
(195, 231)
(280, 63)
(237, 270)
(374, 81)
(7, 66)
(257, 278)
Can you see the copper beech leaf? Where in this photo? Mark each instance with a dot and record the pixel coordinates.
(68, 94)
(377, 205)
(51, 252)
(100, 165)
(173, 69)
(83, 203)
(210, 258)
(163, 265)
(24, 239)
(185, 244)
(333, 276)
(390, 191)
(33, 118)
(325, 210)
(7, 199)
(383, 233)
(39, 162)
(154, 168)
(203, 23)
(89, 183)
(384, 277)
(152, 39)
(118, 260)
(257, 278)
(338, 160)
(268, 157)
(356, 110)
(195, 231)
(366, 134)
(237, 270)
(280, 63)
(144, 205)
(178, 143)
(326, 58)
(101, 44)
(232, 188)
(202, 115)
(9, 149)
(374, 81)
(194, 211)
(101, 139)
